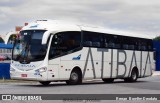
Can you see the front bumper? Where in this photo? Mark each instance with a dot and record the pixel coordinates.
(28, 76)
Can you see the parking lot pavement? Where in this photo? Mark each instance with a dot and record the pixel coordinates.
(156, 73)
(148, 85)
(6, 81)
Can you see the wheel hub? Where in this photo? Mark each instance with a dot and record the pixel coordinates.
(134, 76)
(74, 76)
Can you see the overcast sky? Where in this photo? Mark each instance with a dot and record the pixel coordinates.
(139, 16)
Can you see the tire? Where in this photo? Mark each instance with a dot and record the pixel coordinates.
(109, 80)
(75, 78)
(133, 77)
(45, 83)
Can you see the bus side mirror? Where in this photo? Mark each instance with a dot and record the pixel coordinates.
(57, 39)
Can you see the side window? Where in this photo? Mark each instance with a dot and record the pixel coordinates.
(117, 41)
(128, 43)
(149, 45)
(131, 43)
(70, 41)
(112, 41)
(92, 39)
(64, 43)
(142, 45)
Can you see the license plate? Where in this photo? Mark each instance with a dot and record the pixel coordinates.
(23, 75)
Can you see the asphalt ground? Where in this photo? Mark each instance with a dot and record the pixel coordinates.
(149, 85)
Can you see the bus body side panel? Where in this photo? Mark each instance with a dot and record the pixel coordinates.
(95, 59)
(107, 63)
(153, 62)
(136, 60)
(132, 60)
(146, 64)
(53, 69)
(144, 58)
(96, 63)
(114, 63)
(121, 63)
(69, 62)
(90, 63)
(150, 64)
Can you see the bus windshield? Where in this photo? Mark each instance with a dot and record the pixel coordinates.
(28, 47)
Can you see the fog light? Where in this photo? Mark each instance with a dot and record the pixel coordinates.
(43, 69)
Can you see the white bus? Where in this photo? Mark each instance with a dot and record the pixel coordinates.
(49, 51)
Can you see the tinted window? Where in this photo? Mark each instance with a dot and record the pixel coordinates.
(92, 39)
(150, 45)
(64, 43)
(112, 41)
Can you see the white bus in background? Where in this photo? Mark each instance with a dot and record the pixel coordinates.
(49, 50)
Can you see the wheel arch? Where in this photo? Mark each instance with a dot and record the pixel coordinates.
(71, 80)
(77, 68)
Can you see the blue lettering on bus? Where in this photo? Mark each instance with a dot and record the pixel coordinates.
(34, 26)
(24, 65)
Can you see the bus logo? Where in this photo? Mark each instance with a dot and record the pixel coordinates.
(34, 26)
(77, 58)
(25, 65)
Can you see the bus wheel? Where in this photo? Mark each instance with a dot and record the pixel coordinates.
(133, 77)
(45, 83)
(75, 78)
(108, 80)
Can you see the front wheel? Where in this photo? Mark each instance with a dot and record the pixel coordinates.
(45, 83)
(75, 78)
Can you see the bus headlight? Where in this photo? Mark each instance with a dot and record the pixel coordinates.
(43, 69)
